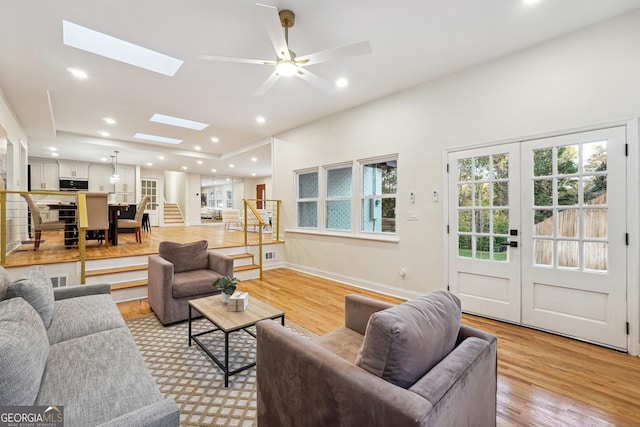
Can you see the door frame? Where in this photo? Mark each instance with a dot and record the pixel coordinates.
(632, 126)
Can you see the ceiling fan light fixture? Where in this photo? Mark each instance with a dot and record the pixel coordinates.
(286, 68)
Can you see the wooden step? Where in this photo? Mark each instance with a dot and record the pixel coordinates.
(246, 267)
(115, 270)
(240, 256)
(129, 285)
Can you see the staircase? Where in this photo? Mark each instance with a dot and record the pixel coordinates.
(172, 214)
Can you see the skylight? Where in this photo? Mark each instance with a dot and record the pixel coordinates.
(157, 138)
(101, 44)
(175, 121)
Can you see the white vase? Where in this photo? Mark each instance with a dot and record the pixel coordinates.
(225, 298)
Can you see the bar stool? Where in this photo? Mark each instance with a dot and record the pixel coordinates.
(146, 223)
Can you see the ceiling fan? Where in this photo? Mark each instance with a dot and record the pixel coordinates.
(287, 63)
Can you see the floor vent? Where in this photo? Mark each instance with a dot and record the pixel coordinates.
(270, 255)
(59, 281)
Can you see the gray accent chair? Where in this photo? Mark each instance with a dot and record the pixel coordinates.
(413, 364)
(70, 347)
(182, 272)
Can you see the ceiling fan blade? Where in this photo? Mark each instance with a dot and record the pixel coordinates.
(232, 59)
(272, 24)
(267, 83)
(336, 53)
(316, 81)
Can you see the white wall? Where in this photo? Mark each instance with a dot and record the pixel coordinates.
(16, 135)
(588, 77)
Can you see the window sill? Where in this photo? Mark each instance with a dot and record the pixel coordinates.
(372, 236)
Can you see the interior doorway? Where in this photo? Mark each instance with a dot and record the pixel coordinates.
(261, 194)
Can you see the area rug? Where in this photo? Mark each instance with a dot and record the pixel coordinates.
(193, 380)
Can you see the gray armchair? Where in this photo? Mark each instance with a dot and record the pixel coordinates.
(408, 365)
(181, 272)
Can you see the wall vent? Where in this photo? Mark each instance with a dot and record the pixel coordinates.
(59, 281)
(270, 255)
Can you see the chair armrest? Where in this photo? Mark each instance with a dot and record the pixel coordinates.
(160, 414)
(80, 291)
(220, 263)
(358, 309)
(302, 384)
(160, 285)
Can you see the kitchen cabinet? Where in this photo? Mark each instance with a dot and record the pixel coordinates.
(99, 178)
(74, 170)
(125, 189)
(44, 175)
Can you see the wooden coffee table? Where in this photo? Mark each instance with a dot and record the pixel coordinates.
(227, 321)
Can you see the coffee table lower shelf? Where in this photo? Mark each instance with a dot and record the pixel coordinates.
(225, 365)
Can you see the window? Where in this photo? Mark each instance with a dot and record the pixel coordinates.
(308, 199)
(378, 199)
(229, 199)
(338, 199)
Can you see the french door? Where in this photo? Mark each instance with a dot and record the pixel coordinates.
(564, 198)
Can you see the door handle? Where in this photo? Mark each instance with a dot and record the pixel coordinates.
(512, 244)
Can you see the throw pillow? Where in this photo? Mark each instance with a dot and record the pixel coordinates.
(37, 290)
(404, 342)
(4, 282)
(185, 256)
(24, 347)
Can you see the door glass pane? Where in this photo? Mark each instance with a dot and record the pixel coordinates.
(464, 246)
(482, 221)
(482, 194)
(568, 254)
(595, 190)
(543, 162)
(595, 256)
(568, 223)
(594, 156)
(568, 191)
(464, 221)
(567, 159)
(543, 225)
(501, 194)
(543, 250)
(501, 221)
(464, 170)
(500, 166)
(595, 223)
(482, 168)
(482, 247)
(500, 251)
(464, 195)
(543, 192)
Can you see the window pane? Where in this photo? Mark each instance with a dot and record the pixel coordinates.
(380, 178)
(482, 168)
(543, 252)
(308, 185)
(464, 246)
(464, 195)
(482, 247)
(339, 182)
(500, 166)
(543, 222)
(543, 162)
(379, 215)
(543, 192)
(464, 170)
(595, 223)
(482, 221)
(567, 191)
(464, 221)
(482, 194)
(568, 255)
(308, 214)
(595, 190)
(500, 194)
(568, 223)
(500, 251)
(595, 256)
(594, 155)
(501, 221)
(339, 214)
(568, 159)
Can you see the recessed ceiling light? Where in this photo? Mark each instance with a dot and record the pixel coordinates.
(530, 1)
(103, 159)
(78, 73)
(199, 162)
(231, 165)
(197, 147)
(101, 44)
(149, 164)
(253, 174)
(157, 138)
(175, 121)
(53, 149)
(161, 157)
(55, 154)
(103, 133)
(109, 121)
(342, 82)
(228, 179)
(260, 119)
(214, 170)
(215, 139)
(184, 168)
(254, 159)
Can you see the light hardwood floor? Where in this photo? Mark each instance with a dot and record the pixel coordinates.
(543, 379)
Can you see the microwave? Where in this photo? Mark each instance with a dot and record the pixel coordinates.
(74, 185)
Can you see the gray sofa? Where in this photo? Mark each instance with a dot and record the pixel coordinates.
(70, 347)
(182, 272)
(413, 364)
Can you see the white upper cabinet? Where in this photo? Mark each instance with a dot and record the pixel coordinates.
(74, 170)
(44, 175)
(99, 178)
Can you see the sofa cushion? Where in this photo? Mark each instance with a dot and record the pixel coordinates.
(37, 290)
(193, 283)
(185, 256)
(23, 352)
(404, 342)
(97, 377)
(343, 342)
(84, 315)
(4, 282)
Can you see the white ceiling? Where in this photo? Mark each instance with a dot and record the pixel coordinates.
(411, 41)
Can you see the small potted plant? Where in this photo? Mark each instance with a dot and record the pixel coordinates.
(227, 285)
